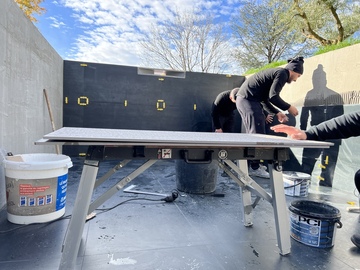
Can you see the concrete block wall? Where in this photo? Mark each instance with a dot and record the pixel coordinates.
(28, 64)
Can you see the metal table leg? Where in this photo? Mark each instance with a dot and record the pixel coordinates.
(277, 200)
(246, 197)
(280, 210)
(118, 186)
(77, 222)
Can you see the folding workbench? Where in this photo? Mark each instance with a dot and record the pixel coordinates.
(193, 147)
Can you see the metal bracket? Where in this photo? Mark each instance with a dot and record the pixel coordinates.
(207, 159)
(95, 152)
(250, 152)
(139, 151)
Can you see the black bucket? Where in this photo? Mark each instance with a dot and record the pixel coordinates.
(196, 178)
(314, 223)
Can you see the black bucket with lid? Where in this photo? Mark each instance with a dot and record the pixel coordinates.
(314, 223)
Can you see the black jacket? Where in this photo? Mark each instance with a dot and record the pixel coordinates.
(265, 87)
(222, 106)
(341, 127)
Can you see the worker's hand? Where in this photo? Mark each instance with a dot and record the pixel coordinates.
(219, 130)
(269, 118)
(293, 111)
(282, 117)
(293, 132)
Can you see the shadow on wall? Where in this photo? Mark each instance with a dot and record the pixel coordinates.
(321, 104)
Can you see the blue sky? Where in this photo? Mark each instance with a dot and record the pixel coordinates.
(108, 31)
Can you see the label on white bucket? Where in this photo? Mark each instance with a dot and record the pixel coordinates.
(296, 183)
(32, 197)
(296, 188)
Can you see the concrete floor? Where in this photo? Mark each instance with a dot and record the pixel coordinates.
(193, 232)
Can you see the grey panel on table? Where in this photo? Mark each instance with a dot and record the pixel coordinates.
(178, 138)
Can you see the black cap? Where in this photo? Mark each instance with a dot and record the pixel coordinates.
(296, 65)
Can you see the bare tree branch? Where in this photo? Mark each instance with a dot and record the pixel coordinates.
(190, 42)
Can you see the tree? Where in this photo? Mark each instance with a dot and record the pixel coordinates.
(326, 21)
(264, 36)
(31, 6)
(190, 42)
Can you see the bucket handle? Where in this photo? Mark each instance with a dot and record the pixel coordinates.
(339, 224)
(69, 164)
(297, 184)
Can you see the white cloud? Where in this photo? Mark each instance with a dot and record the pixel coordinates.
(112, 29)
(56, 23)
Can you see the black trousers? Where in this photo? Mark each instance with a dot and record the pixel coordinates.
(253, 118)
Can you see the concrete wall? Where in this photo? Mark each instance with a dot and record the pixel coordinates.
(28, 64)
(340, 71)
(330, 81)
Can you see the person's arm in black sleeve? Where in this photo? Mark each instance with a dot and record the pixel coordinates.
(276, 87)
(341, 127)
(215, 116)
(269, 108)
(219, 107)
(279, 102)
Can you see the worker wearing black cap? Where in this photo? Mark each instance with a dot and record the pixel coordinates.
(261, 92)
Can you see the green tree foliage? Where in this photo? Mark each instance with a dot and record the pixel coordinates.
(264, 36)
(327, 22)
(30, 7)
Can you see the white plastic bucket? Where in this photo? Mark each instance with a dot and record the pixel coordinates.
(296, 183)
(36, 187)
